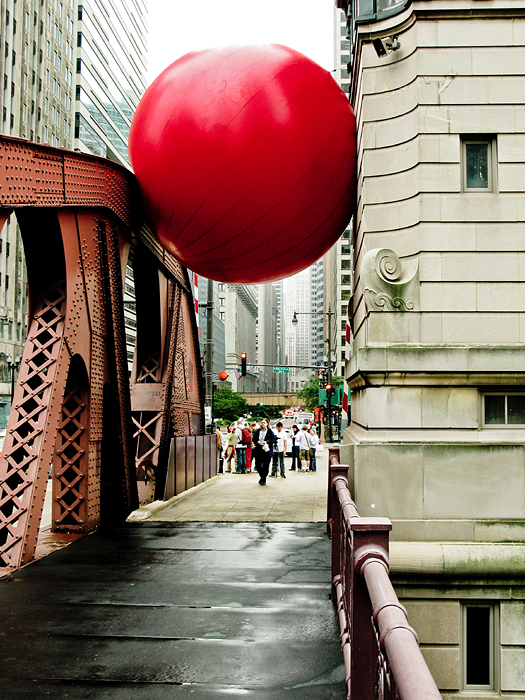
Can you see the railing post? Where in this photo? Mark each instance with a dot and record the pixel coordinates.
(335, 517)
(332, 452)
(370, 542)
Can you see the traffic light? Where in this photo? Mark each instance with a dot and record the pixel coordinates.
(330, 391)
(243, 364)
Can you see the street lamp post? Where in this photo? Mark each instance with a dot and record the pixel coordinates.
(328, 361)
(12, 365)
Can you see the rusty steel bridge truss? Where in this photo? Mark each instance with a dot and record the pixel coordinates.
(75, 412)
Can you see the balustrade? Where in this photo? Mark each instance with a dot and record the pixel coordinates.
(380, 650)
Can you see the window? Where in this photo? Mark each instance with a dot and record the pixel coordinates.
(346, 279)
(479, 646)
(478, 164)
(504, 409)
(346, 264)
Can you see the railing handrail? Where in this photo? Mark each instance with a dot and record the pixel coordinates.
(366, 542)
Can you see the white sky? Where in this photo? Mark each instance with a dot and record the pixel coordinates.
(179, 26)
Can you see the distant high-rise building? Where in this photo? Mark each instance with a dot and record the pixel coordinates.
(110, 74)
(267, 346)
(301, 296)
(280, 379)
(339, 260)
(238, 302)
(219, 349)
(37, 65)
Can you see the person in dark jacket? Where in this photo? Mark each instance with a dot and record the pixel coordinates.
(295, 448)
(263, 444)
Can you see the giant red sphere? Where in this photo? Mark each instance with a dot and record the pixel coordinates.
(246, 160)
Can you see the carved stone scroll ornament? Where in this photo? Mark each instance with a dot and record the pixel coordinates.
(388, 283)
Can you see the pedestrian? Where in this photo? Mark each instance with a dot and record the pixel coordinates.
(304, 447)
(249, 454)
(240, 448)
(295, 448)
(220, 460)
(313, 441)
(279, 450)
(249, 450)
(230, 449)
(263, 443)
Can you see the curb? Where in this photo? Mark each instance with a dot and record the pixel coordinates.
(145, 512)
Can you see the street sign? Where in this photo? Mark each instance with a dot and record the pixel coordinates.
(281, 369)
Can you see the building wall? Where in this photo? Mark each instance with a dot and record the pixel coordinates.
(37, 66)
(298, 338)
(219, 353)
(450, 258)
(267, 345)
(438, 319)
(240, 328)
(110, 74)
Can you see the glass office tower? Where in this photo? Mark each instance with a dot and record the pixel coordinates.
(110, 74)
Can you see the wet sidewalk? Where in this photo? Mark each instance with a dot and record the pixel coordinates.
(164, 610)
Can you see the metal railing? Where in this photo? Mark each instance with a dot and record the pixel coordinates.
(380, 650)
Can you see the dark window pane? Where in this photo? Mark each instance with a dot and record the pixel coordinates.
(516, 410)
(366, 7)
(494, 410)
(478, 646)
(477, 165)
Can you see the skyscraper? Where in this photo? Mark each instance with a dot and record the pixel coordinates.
(300, 350)
(110, 76)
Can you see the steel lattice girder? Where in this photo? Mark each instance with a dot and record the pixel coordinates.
(71, 408)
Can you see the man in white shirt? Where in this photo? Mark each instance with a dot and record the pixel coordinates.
(279, 450)
(301, 439)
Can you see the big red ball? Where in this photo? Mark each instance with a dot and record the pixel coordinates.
(246, 159)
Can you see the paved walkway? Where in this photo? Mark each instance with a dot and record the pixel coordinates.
(225, 593)
(300, 498)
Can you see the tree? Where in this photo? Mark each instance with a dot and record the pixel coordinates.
(266, 411)
(309, 394)
(229, 404)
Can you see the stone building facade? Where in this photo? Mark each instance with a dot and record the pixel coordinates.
(437, 439)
